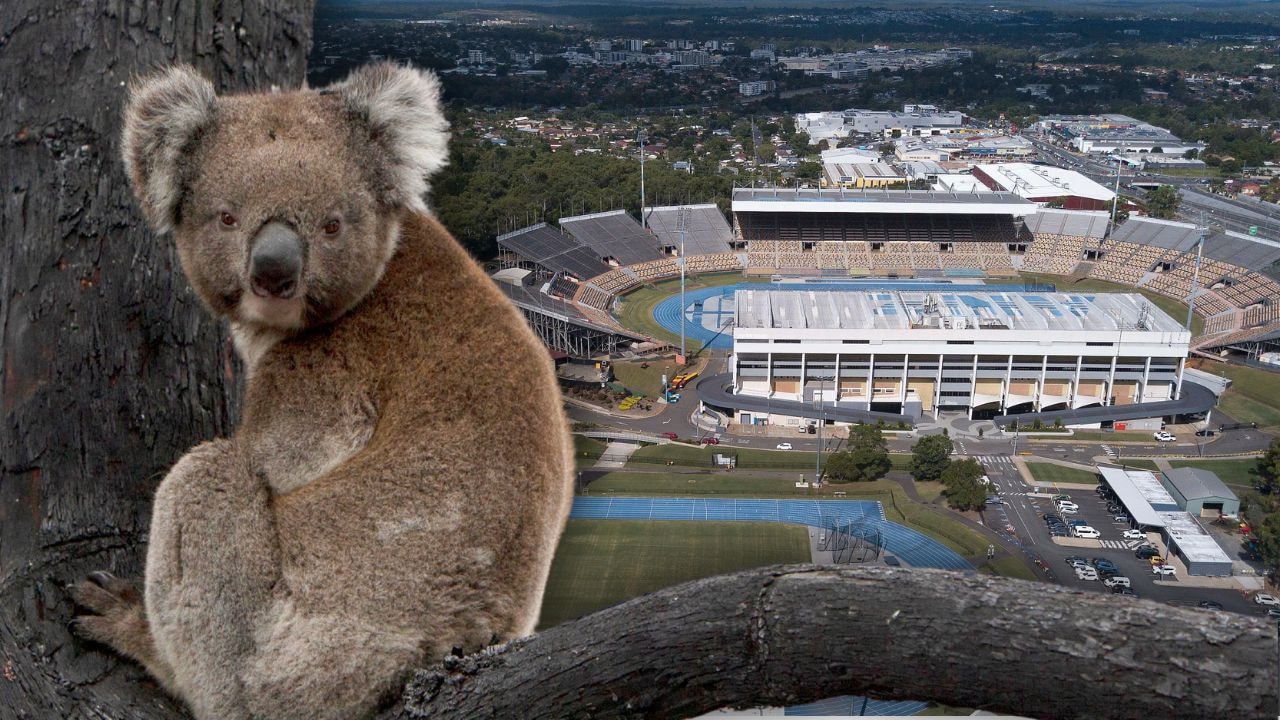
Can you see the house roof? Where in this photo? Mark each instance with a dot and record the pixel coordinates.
(1197, 484)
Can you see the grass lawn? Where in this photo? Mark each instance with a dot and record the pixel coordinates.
(929, 491)
(1144, 464)
(1234, 473)
(1175, 309)
(748, 458)
(589, 449)
(1008, 567)
(1254, 395)
(645, 381)
(1100, 436)
(600, 563)
(636, 311)
(1050, 473)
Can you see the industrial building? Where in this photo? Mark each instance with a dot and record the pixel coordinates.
(985, 353)
(1201, 492)
(1112, 133)
(862, 175)
(1151, 506)
(1045, 184)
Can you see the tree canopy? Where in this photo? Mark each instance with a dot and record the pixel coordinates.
(930, 456)
(866, 459)
(964, 489)
(1163, 202)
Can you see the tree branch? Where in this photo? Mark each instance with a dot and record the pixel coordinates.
(787, 635)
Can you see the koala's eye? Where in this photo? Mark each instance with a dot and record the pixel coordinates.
(228, 220)
(332, 227)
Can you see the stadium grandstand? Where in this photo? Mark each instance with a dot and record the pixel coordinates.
(548, 252)
(889, 233)
(705, 230)
(560, 323)
(615, 236)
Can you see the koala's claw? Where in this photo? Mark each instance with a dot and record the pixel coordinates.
(106, 595)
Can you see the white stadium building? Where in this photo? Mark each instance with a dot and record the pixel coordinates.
(987, 353)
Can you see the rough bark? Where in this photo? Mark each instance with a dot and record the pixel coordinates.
(787, 635)
(110, 368)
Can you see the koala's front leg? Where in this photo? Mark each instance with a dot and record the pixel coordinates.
(213, 564)
(118, 620)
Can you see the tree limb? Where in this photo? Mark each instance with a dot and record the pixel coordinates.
(787, 635)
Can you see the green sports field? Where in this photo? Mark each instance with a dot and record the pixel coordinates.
(600, 563)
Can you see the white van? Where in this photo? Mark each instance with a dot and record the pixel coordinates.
(1117, 581)
(1086, 532)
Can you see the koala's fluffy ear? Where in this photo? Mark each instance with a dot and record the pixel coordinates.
(165, 114)
(401, 110)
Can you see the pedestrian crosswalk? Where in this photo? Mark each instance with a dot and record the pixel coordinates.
(1122, 544)
(1110, 451)
(994, 459)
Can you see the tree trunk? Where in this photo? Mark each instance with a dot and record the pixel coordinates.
(111, 369)
(788, 635)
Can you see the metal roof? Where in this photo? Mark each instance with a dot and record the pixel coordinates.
(613, 234)
(1231, 247)
(879, 200)
(1198, 483)
(1158, 233)
(706, 230)
(1092, 224)
(958, 310)
(553, 250)
(1030, 180)
(1141, 494)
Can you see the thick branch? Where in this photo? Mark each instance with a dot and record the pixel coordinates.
(786, 635)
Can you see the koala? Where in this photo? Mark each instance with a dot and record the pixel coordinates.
(401, 472)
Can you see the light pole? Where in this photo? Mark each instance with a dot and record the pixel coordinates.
(682, 223)
(1195, 276)
(817, 470)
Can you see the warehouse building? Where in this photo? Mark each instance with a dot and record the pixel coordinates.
(1200, 492)
(1046, 184)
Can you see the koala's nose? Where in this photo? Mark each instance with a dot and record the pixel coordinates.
(276, 261)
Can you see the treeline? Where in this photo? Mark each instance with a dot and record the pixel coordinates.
(488, 190)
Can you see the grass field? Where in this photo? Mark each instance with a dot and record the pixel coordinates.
(600, 563)
(1051, 473)
(587, 450)
(748, 458)
(642, 380)
(1144, 464)
(636, 312)
(1254, 394)
(1099, 436)
(1175, 309)
(1237, 474)
(724, 484)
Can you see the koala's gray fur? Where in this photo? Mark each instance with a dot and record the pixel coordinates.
(401, 474)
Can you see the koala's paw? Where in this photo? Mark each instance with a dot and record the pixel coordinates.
(116, 616)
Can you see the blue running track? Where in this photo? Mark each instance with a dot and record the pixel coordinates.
(914, 548)
(667, 312)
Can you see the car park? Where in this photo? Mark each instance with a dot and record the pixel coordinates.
(1266, 600)
(1117, 581)
(1162, 436)
(1134, 535)
(1164, 570)
(784, 446)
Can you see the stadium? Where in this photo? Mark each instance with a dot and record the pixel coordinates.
(910, 276)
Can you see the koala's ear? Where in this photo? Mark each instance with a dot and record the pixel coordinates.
(165, 114)
(401, 111)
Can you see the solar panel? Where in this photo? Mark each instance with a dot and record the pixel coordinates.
(614, 235)
(553, 250)
(706, 231)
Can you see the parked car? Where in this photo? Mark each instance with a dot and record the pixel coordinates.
(803, 429)
(1134, 535)
(1076, 559)
(1164, 570)
(1209, 604)
(1273, 613)
(1122, 519)
(1078, 523)
(1122, 590)
(1117, 581)
(1069, 510)
(1266, 600)
(784, 446)
(1058, 531)
(995, 500)
(1206, 433)
(670, 435)
(1156, 560)
(1087, 533)
(711, 440)
(1086, 574)
(1103, 563)
(1146, 551)
(1163, 436)
(1060, 498)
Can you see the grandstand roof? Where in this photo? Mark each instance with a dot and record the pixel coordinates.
(808, 200)
(553, 250)
(613, 234)
(1059, 312)
(706, 230)
(1044, 181)
(1158, 233)
(1231, 247)
(1247, 251)
(1083, 223)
